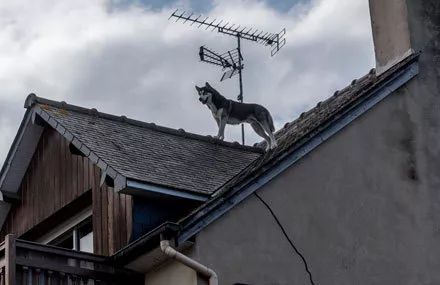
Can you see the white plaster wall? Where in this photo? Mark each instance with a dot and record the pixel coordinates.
(171, 273)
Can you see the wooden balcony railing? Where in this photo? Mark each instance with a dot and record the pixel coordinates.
(29, 263)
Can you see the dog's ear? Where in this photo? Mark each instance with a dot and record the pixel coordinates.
(207, 85)
(198, 88)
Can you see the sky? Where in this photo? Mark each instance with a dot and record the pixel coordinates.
(126, 58)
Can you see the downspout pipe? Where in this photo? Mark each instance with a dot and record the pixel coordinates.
(200, 268)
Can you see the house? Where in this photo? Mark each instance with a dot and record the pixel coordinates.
(349, 196)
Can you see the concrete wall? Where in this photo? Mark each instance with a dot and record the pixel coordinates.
(354, 207)
(363, 208)
(391, 36)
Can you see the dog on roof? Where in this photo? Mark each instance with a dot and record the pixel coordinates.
(226, 111)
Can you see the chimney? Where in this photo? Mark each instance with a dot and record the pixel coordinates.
(391, 35)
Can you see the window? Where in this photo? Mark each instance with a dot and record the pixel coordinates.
(79, 237)
(75, 232)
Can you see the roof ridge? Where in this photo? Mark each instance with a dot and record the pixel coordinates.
(33, 99)
(338, 93)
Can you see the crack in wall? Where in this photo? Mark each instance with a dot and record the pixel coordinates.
(288, 238)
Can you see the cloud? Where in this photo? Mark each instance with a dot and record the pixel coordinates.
(133, 61)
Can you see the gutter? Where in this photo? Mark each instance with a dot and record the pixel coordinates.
(150, 240)
(144, 244)
(191, 263)
(137, 188)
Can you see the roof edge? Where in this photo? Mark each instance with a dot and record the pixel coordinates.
(14, 147)
(106, 169)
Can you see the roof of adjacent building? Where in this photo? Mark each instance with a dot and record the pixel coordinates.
(297, 132)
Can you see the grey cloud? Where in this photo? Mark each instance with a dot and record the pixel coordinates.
(134, 62)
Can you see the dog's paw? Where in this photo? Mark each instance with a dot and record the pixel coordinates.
(219, 137)
(270, 146)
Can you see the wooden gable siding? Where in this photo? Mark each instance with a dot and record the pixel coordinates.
(54, 179)
(112, 220)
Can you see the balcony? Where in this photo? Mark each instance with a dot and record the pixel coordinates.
(28, 263)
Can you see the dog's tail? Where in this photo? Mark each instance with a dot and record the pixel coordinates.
(270, 120)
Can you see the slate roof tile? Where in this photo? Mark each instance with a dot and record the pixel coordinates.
(153, 154)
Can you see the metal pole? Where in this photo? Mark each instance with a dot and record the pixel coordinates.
(240, 96)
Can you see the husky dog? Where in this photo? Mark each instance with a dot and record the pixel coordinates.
(226, 111)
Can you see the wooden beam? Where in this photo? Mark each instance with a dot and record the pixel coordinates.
(10, 256)
(105, 178)
(106, 274)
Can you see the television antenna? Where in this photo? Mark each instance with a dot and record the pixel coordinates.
(232, 60)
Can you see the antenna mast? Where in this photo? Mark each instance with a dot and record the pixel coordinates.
(231, 61)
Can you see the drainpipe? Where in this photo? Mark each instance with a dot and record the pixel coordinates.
(200, 268)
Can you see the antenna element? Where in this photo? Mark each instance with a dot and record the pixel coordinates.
(231, 61)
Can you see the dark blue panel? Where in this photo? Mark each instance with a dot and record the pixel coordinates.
(150, 213)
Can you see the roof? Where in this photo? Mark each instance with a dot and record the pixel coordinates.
(145, 152)
(295, 139)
